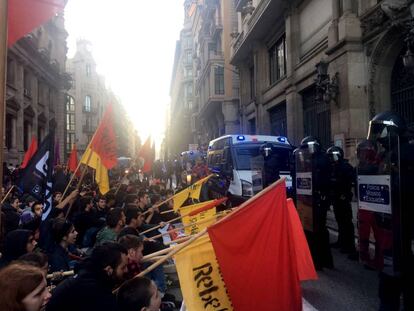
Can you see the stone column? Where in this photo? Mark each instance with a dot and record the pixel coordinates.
(347, 6)
(231, 117)
(13, 133)
(333, 28)
(349, 27)
(294, 114)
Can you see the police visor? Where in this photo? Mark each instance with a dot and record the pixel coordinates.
(379, 129)
(335, 156)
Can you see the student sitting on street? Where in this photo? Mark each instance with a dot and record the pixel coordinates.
(64, 235)
(135, 246)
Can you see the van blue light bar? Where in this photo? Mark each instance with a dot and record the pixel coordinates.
(241, 138)
(282, 139)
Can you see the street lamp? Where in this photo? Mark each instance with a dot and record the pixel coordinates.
(327, 88)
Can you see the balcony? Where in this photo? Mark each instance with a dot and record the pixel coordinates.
(239, 4)
(265, 15)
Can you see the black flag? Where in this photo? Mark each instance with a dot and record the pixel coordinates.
(36, 178)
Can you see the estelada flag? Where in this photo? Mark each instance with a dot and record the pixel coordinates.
(73, 159)
(147, 154)
(30, 152)
(256, 254)
(26, 15)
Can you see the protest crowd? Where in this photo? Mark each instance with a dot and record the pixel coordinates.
(96, 237)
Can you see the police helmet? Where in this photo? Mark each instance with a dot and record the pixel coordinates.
(335, 154)
(312, 144)
(384, 124)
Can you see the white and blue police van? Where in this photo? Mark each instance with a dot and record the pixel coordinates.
(235, 156)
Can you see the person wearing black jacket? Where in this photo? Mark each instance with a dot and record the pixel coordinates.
(91, 288)
(342, 180)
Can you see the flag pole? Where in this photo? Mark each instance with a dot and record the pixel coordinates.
(7, 194)
(3, 74)
(174, 251)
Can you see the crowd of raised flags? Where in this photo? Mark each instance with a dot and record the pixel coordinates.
(250, 257)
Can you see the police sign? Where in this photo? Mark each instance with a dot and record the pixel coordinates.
(374, 193)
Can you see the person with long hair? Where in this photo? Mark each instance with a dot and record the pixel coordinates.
(23, 288)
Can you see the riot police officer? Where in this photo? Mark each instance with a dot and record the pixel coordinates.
(395, 161)
(341, 183)
(312, 194)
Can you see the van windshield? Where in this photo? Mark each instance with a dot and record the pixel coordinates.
(244, 155)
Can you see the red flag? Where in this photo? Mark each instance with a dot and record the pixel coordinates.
(306, 269)
(30, 152)
(104, 140)
(256, 255)
(73, 159)
(26, 15)
(147, 154)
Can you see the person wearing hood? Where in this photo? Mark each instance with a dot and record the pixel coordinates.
(17, 243)
(12, 213)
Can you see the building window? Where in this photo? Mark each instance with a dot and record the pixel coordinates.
(70, 141)
(278, 120)
(252, 126)
(9, 131)
(10, 71)
(188, 42)
(88, 70)
(26, 83)
(277, 60)
(188, 57)
(70, 122)
(88, 101)
(188, 72)
(189, 90)
(70, 104)
(219, 80)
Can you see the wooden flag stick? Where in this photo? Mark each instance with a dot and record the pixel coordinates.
(165, 258)
(155, 258)
(70, 181)
(167, 222)
(172, 253)
(7, 194)
(172, 220)
(189, 225)
(158, 253)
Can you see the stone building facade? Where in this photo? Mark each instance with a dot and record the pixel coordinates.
(86, 102)
(359, 47)
(36, 86)
(204, 87)
(179, 131)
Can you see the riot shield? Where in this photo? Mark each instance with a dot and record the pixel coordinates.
(257, 168)
(304, 187)
(378, 184)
